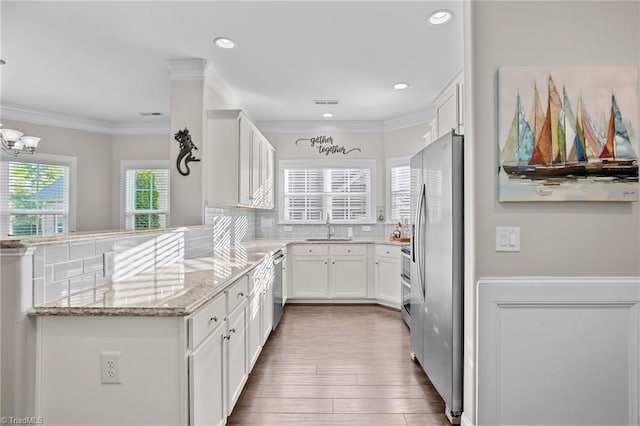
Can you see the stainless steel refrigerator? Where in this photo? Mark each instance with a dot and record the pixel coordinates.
(437, 265)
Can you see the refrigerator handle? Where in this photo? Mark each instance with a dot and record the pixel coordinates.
(420, 242)
(423, 220)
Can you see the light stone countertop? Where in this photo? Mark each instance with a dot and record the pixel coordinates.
(177, 289)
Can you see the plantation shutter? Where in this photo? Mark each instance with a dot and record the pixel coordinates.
(312, 193)
(400, 193)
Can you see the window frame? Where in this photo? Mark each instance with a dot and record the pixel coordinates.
(47, 159)
(390, 163)
(369, 164)
(126, 165)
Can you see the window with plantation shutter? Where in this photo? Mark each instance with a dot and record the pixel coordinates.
(398, 189)
(146, 197)
(311, 190)
(34, 197)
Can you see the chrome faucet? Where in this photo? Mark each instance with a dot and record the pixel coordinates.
(329, 228)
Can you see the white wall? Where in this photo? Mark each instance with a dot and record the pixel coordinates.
(370, 144)
(405, 141)
(558, 239)
(563, 238)
(93, 194)
(126, 147)
(190, 99)
(186, 191)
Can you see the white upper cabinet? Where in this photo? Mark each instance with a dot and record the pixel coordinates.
(450, 108)
(240, 160)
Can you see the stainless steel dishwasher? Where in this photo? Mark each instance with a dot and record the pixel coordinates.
(278, 257)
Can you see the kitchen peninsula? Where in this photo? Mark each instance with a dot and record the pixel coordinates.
(178, 324)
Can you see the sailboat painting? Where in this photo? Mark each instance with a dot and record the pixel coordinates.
(568, 133)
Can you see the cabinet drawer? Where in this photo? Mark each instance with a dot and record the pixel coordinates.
(310, 249)
(387, 250)
(348, 250)
(237, 293)
(205, 320)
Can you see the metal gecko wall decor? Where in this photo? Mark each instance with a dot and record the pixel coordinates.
(185, 156)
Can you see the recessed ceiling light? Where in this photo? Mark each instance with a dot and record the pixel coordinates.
(440, 17)
(224, 43)
(327, 115)
(400, 86)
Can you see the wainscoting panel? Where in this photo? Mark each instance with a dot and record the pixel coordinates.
(557, 351)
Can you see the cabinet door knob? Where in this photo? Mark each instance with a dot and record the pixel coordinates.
(333, 263)
(349, 251)
(325, 263)
(228, 337)
(214, 319)
(241, 294)
(377, 263)
(309, 250)
(388, 252)
(233, 330)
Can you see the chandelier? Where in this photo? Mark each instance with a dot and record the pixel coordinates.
(15, 143)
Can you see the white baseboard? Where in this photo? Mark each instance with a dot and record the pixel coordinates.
(465, 421)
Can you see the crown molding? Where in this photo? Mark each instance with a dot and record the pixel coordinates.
(187, 68)
(410, 120)
(26, 115)
(301, 126)
(347, 126)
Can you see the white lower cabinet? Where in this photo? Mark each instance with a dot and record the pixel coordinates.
(236, 366)
(217, 366)
(321, 271)
(254, 328)
(387, 267)
(311, 276)
(267, 312)
(206, 391)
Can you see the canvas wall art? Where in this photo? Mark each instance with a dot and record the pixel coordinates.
(568, 133)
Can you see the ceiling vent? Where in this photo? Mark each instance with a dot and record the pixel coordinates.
(326, 102)
(150, 114)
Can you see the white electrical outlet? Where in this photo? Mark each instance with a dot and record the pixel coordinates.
(108, 263)
(110, 367)
(366, 228)
(288, 228)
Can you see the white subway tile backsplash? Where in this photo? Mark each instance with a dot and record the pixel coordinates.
(56, 253)
(56, 290)
(101, 279)
(81, 251)
(82, 283)
(38, 291)
(48, 273)
(38, 263)
(63, 271)
(92, 264)
(104, 245)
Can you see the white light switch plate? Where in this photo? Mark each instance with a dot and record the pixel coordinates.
(507, 238)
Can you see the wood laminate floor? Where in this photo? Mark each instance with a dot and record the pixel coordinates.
(338, 365)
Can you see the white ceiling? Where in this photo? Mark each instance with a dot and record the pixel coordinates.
(107, 61)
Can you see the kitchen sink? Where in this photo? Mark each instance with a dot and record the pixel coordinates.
(328, 239)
